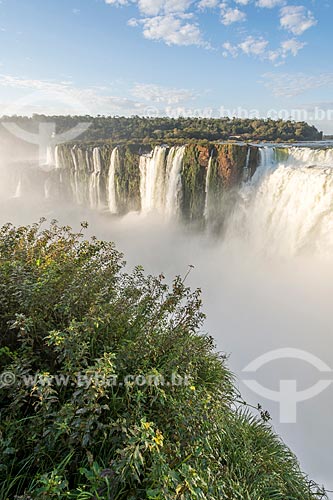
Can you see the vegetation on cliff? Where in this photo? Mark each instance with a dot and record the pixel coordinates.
(145, 129)
(128, 180)
(228, 163)
(193, 183)
(73, 326)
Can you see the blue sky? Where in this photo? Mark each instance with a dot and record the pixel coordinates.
(157, 57)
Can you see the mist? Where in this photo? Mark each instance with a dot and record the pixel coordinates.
(259, 292)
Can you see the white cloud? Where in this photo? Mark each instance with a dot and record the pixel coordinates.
(258, 47)
(208, 4)
(269, 4)
(250, 46)
(64, 98)
(230, 49)
(133, 22)
(165, 20)
(117, 3)
(296, 19)
(151, 7)
(171, 29)
(159, 94)
(175, 23)
(287, 48)
(254, 46)
(292, 46)
(293, 84)
(230, 15)
(156, 7)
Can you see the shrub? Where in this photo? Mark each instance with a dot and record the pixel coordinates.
(73, 326)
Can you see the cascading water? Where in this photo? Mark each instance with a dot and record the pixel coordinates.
(286, 208)
(289, 210)
(74, 177)
(50, 156)
(57, 158)
(173, 181)
(152, 180)
(114, 167)
(247, 173)
(88, 163)
(267, 161)
(310, 156)
(94, 182)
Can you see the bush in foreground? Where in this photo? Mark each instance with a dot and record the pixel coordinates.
(73, 326)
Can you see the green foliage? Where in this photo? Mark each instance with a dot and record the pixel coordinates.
(193, 183)
(120, 129)
(282, 154)
(73, 325)
(128, 179)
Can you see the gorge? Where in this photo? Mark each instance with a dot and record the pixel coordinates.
(267, 279)
(204, 186)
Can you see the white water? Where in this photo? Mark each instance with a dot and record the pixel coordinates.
(160, 179)
(174, 182)
(246, 175)
(310, 157)
(50, 156)
(94, 182)
(57, 158)
(152, 179)
(287, 208)
(267, 162)
(114, 166)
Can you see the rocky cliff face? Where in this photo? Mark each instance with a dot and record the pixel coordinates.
(193, 181)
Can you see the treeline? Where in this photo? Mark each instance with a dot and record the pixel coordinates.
(180, 129)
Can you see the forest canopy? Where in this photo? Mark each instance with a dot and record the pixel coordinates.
(145, 129)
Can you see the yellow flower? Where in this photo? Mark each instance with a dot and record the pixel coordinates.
(192, 387)
(146, 425)
(158, 438)
(179, 488)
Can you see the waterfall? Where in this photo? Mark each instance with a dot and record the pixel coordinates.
(267, 157)
(246, 174)
(267, 161)
(50, 156)
(114, 167)
(152, 180)
(310, 156)
(173, 181)
(88, 163)
(57, 158)
(74, 177)
(207, 189)
(285, 208)
(94, 181)
(289, 210)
